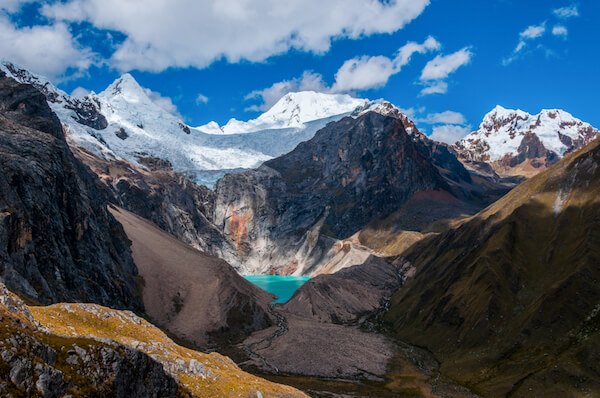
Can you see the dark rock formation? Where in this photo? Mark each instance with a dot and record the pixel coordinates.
(169, 199)
(87, 110)
(346, 296)
(352, 172)
(57, 240)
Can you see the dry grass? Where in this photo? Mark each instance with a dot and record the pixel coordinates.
(222, 377)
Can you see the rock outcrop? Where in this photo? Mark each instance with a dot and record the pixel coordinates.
(57, 240)
(90, 350)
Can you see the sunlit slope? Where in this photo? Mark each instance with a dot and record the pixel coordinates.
(509, 300)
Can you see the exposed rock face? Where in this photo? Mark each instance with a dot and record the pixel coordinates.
(33, 363)
(89, 350)
(514, 142)
(86, 111)
(169, 199)
(285, 216)
(508, 301)
(57, 240)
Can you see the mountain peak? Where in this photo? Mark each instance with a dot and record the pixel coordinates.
(127, 86)
(515, 138)
(296, 108)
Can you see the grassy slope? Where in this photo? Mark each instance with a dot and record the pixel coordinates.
(222, 376)
(509, 300)
(62, 326)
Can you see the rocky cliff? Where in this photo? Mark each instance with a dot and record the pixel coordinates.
(293, 214)
(57, 240)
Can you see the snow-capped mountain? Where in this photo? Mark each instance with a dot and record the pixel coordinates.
(293, 110)
(122, 122)
(516, 142)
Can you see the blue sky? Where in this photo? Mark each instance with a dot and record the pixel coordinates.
(530, 54)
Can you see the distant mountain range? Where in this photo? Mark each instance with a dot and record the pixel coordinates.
(122, 122)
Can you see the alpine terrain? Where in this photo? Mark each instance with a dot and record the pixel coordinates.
(135, 241)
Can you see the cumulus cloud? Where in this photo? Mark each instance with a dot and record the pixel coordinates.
(309, 81)
(447, 126)
(566, 12)
(533, 31)
(446, 117)
(367, 72)
(201, 99)
(356, 74)
(48, 50)
(560, 30)
(434, 88)
(449, 134)
(190, 33)
(442, 66)
(165, 103)
(437, 70)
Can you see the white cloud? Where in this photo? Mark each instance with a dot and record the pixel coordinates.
(80, 92)
(560, 30)
(409, 49)
(12, 5)
(566, 12)
(201, 99)
(270, 95)
(356, 74)
(364, 73)
(449, 134)
(165, 103)
(48, 50)
(367, 72)
(440, 87)
(446, 117)
(161, 34)
(533, 31)
(442, 66)
(437, 70)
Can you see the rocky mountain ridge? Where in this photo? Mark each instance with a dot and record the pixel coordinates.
(515, 142)
(292, 214)
(90, 350)
(58, 241)
(123, 123)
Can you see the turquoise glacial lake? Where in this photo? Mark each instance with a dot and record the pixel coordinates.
(281, 286)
